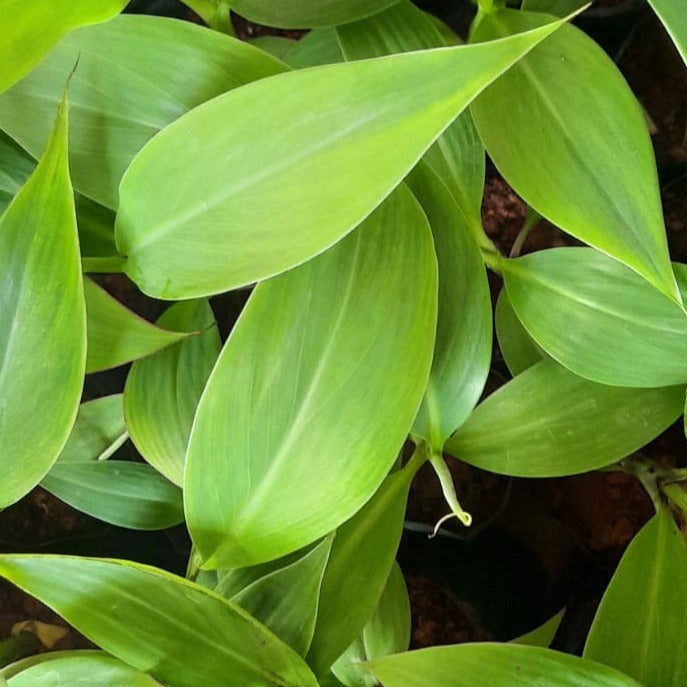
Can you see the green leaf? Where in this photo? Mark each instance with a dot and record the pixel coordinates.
(641, 629)
(121, 96)
(84, 669)
(304, 14)
(117, 335)
(286, 600)
(518, 349)
(548, 422)
(270, 201)
(317, 48)
(494, 665)
(598, 318)
(125, 494)
(597, 182)
(673, 14)
(543, 635)
(177, 631)
(277, 46)
(359, 566)
(43, 333)
(162, 390)
(462, 351)
(30, 29)
(16, 167)
(98, 432)
(330, 359)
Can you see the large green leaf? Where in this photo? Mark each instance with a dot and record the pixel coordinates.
(549, 422)
(30, 29)
(125, 494)
(117, 335)
(598, 318)
(121, 95)
(359, 566)
(639, 627)
(335, 141)
(286, 600)
(179, 632)
(162, 390)
(302, 14)
(314, 392)
(462, 352)
(597, 182)
(43, 332)
(673, 14)
(81, 669)
(98, 432)
(494, 665)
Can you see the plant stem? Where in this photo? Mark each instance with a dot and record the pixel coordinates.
(531, 220)
(492, 259)
(449, 491)
(221, 21)
(111, 264)
(205, 9)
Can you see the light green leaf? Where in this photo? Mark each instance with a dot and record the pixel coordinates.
(305, 14)
(277, 46)
(162, 390)
(328, 360)
(544, 634)
(462, 351)
(270, 201)
(359, 565)
(177, 631)
(518, 349)
(673, 14)
(639, 627)
(43, 332)
(121, 95)
(548, 422)
(598, 318)
(86, 669)
(494, 665)
(317, 48)
(597, 182)
(125, 494)
(30, 29)
(98, 432)
(286, 600)
(117, 335)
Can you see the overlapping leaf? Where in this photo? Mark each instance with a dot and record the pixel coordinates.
(179, 632)
(317, 48)
(598, 317)
(314, 392)
(333, 144)
(642, 631)
(597, 182)
(121, 95)
(162, 390)
(41, 374)
(548, 422)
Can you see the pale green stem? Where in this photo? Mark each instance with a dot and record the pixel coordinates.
(111, 265)
(221, 21)
(533, 218)
(194, 563)
(673, 475)
(492, 259)
(449, 491)
(644, 470)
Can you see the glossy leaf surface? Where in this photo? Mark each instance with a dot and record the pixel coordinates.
(304, 14)
(494, 665)
(314, 392)
(270, 201)
(87, 669)
(548, 422)
(121, 95)
(116, 335)
(462, 351)
(644, 634)
(31, 29)
(40, 375)
(598, 318)
(359, 566)
(162, 390)
(286, 600)
(598, 182)
(177, 631)
(125, 494)
(98, 432)
(674, 17)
